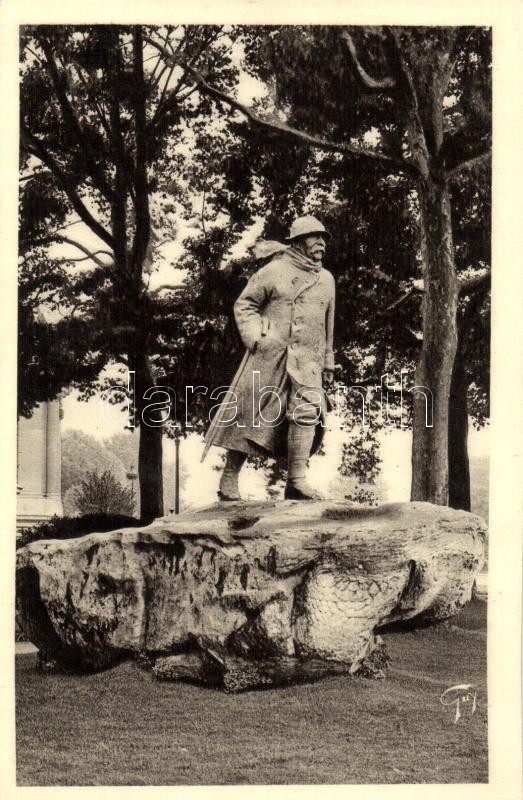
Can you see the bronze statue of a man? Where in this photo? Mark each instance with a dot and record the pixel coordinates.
(285, 317)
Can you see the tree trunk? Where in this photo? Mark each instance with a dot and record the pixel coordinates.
(150, 471)
(434, 370)
(459, 471)
(150, 474)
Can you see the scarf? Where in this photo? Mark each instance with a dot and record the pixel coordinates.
(266, 249)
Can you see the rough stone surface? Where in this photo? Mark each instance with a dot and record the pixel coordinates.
(244, 595)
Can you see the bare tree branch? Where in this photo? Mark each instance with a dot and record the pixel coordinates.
(416, 288)
(406, 294)
(88, 253)
(162, 72)
(166, 43)
(420, 145)
(126, 160)
(163, 288)
(369, 83)
(167, 66)
(283, 129)
(51, 234)
(28, 177)
(103, 121)
(188, 92)
(472, 282)
(40, 60)
(176, 96)
(471, 163)
(74, 260)
(72, 123)
(400, 300)
(36, 147)
(404, 66)
(159, 107)
(156, 79)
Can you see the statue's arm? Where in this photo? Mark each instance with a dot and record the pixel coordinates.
(248, 306)
(328, 363)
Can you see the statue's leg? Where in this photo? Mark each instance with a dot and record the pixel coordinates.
(303, 415)
(229, 481)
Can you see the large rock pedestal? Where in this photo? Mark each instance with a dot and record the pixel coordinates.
(243, 595)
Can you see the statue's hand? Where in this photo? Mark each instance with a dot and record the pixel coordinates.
(328, 376)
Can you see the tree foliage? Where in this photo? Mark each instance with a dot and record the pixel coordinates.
(101, 493)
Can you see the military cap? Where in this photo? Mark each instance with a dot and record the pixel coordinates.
(304, 226)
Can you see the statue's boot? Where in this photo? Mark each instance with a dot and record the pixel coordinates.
(228, 490)
(299, 444)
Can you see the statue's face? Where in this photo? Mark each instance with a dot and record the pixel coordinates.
(312, 246)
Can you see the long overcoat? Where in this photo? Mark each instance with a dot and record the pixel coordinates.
(285, 317)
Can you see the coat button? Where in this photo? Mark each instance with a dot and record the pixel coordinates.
(295, 281)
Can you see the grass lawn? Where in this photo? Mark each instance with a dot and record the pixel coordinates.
(124, 727)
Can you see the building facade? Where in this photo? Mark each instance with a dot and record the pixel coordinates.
(39, 466)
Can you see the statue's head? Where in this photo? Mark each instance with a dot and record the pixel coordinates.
(308, 235)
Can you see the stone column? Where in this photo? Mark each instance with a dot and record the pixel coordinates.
(39, 466)
(53, 480)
